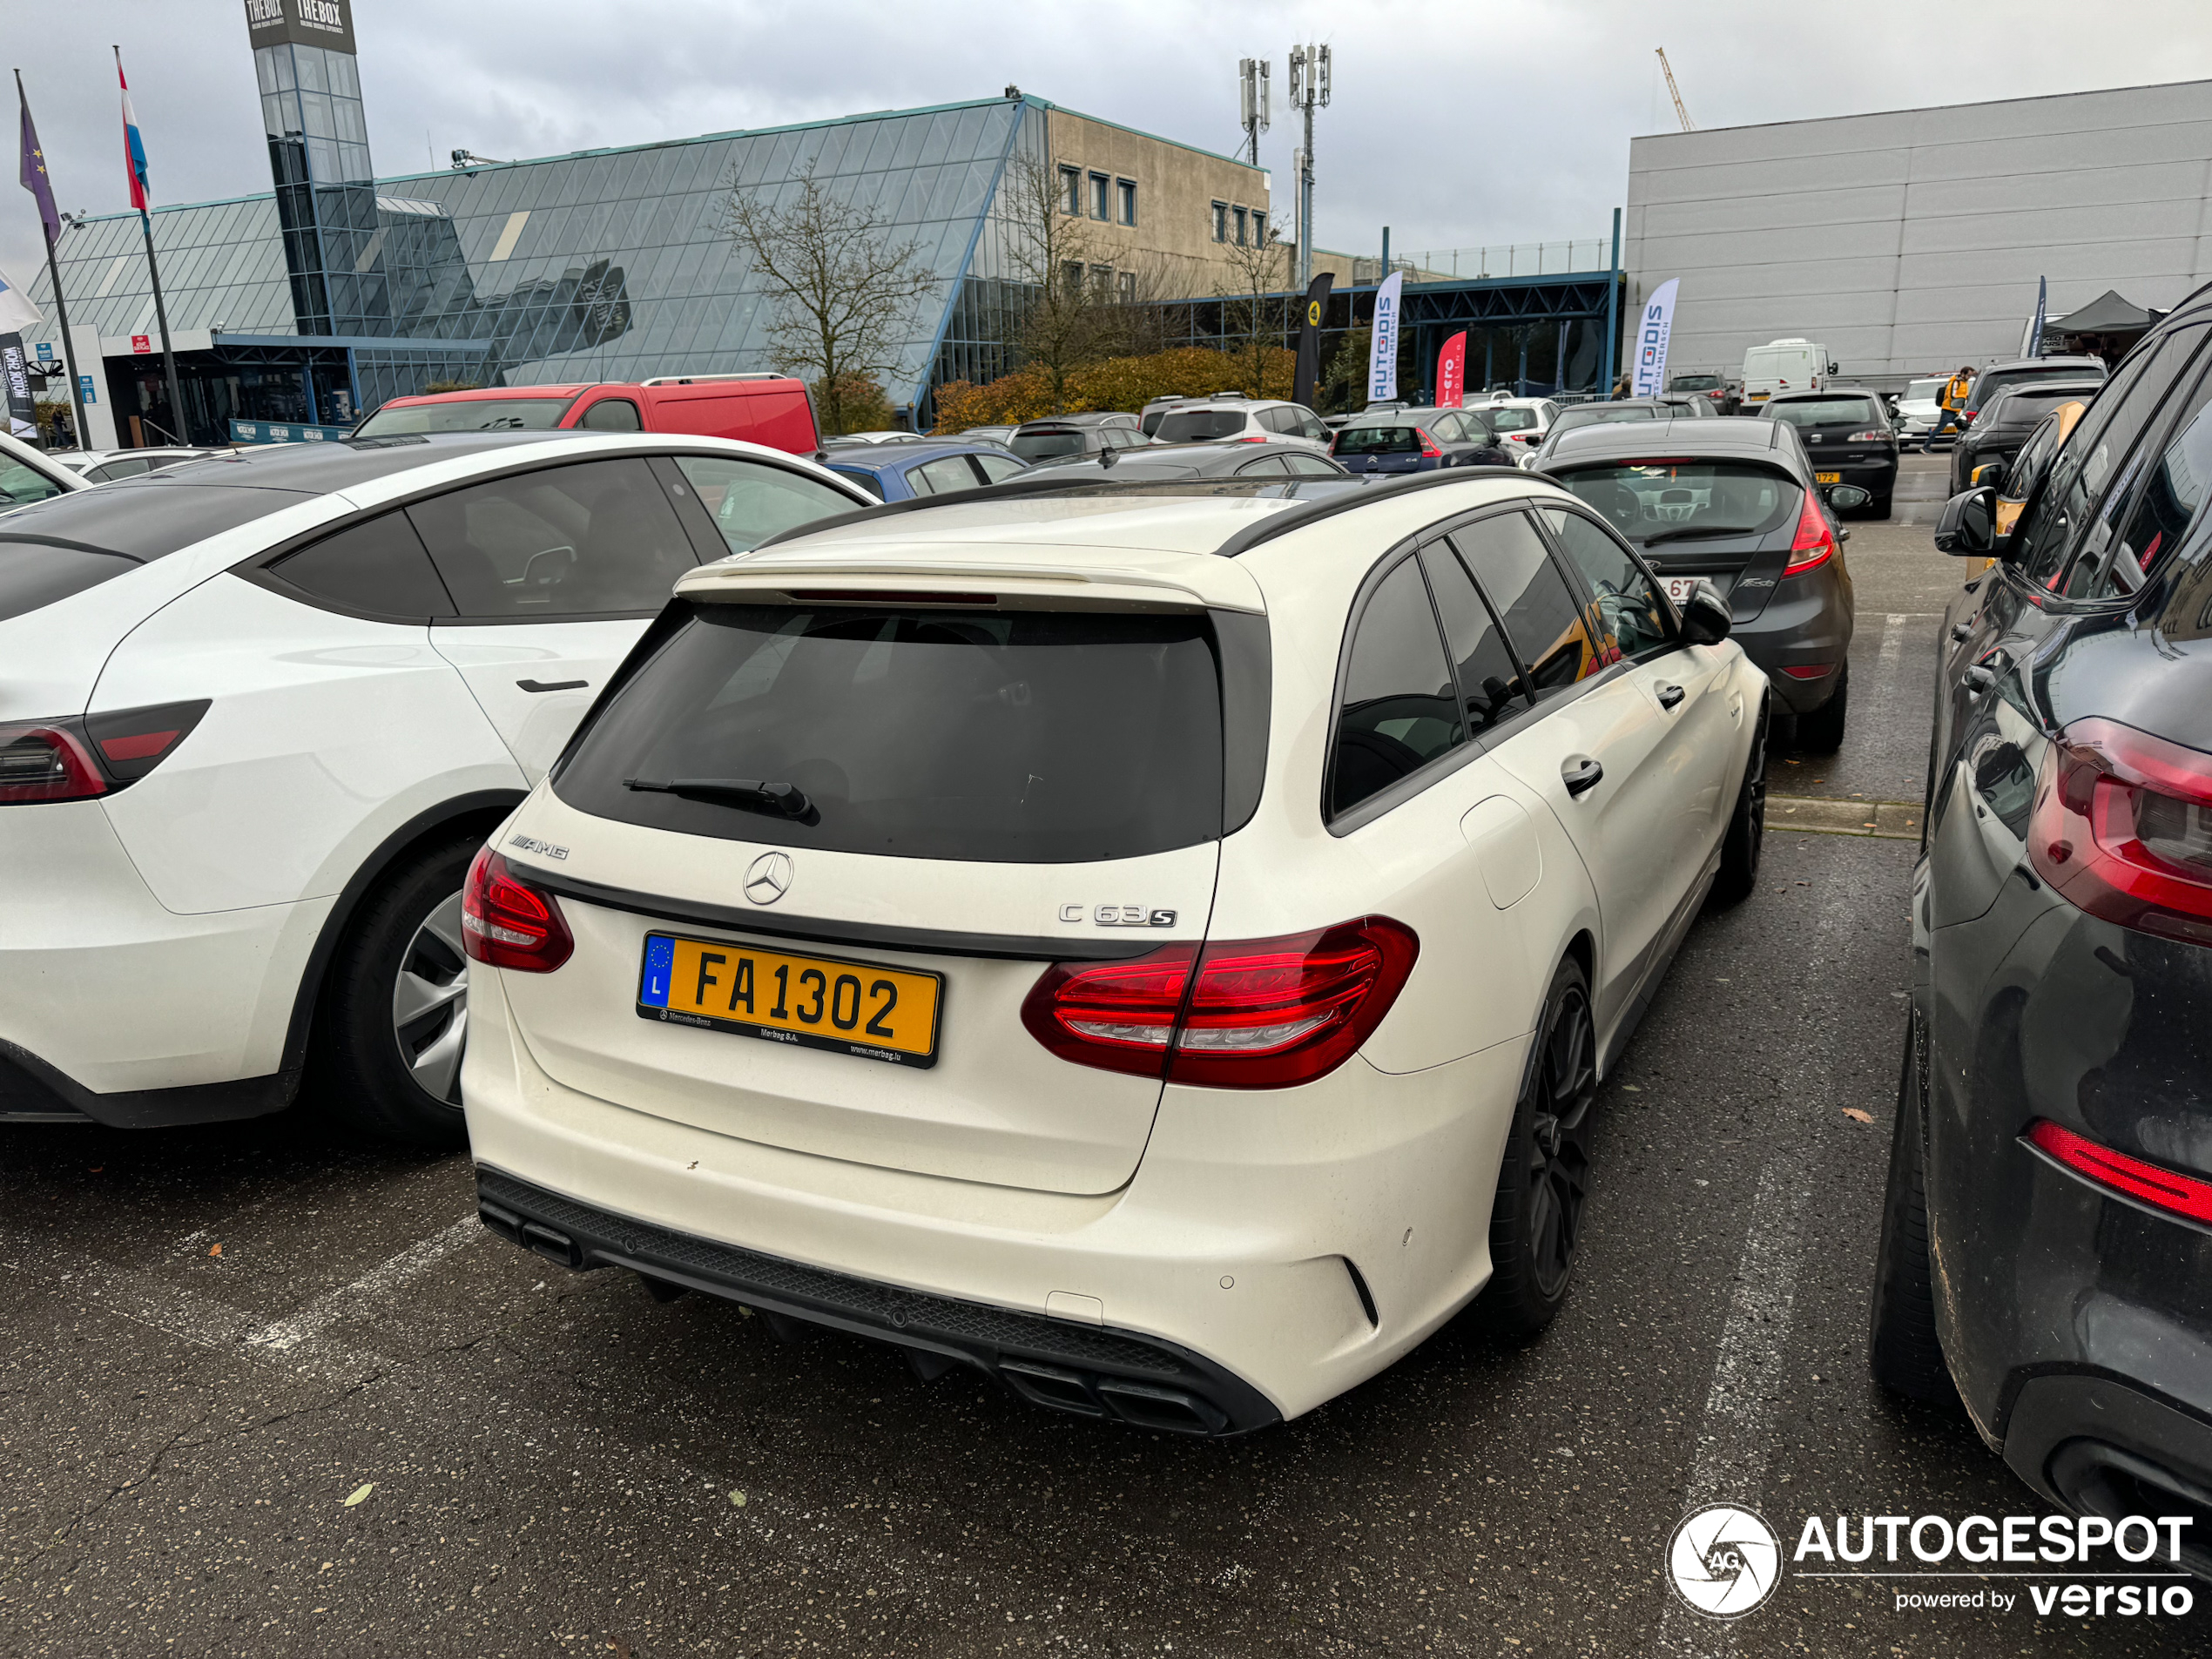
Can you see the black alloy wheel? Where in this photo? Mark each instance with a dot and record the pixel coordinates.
(1543, 1182)
(1821, 731)
(1746, 833)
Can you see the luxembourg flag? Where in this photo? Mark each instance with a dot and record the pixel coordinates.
(134, 148)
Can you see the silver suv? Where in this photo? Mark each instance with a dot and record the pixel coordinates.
(1230, 415)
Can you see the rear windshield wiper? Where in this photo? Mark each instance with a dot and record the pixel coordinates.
(1706, 535)
(752, 794)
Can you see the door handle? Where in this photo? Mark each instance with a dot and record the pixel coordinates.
(1963, 630)
(1580, 775)
(1670, 696)
(552, 685)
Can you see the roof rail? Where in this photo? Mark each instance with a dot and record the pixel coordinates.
(690, 380)
(1371, 486)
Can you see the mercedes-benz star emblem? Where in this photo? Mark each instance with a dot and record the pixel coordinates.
(769, 879)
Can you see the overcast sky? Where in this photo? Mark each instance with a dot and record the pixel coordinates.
(1478, 121)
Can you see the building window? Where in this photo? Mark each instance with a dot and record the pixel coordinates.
(1221, 221)
(1100, 206)
(1239, 213)
(1127, 193)
(1071, 190)
(1125, 287)
(1259, 228)
(1071, 276)
(1101, 280)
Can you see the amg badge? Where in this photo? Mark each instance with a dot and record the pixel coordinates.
(543, 849)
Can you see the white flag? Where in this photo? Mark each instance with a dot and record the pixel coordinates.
(1652, 329)
(17, 315)
(1382, 345)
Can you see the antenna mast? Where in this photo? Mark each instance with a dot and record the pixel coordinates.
(1681, 113)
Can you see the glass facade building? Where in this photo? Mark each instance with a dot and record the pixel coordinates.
(335, 292)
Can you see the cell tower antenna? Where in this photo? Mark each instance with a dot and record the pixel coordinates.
(1682, 113)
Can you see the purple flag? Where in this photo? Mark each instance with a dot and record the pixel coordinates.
(34, 170)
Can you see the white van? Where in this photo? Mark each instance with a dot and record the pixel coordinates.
(1785, 366)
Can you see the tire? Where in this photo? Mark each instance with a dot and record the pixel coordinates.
(1822, 730)
(393, 1017)
(1902, 1349)
(1536, 1217)
(1879, 507)
(1746, 832)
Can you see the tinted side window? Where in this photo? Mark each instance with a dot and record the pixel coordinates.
(379, 567)
(1542, 617)
(751, 501)
(996, 468)
(1265, 467)
(2171, 488)
(1397, 713)
(2055, 521)
(937, 477)
(587, 540)
(1629, 619)
(1489, 678)
(612, 415)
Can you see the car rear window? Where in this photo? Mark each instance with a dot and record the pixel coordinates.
(1921, 389)
(1378, 440)
(468, 415)
(1693, 382)
(1196, 426)
(1688, 500)
(1018, 737)
(67, 544)
(1998, 380)
(1828, 411)
(1506, 420)
(1039, 446)
(1603, 416)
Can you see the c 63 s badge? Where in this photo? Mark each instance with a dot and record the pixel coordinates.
(1119, 916)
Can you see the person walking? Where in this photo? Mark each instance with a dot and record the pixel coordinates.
(1953, 401)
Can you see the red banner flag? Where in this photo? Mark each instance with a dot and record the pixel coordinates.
(1452, 372)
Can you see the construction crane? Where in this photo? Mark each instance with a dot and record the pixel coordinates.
(1674, 92)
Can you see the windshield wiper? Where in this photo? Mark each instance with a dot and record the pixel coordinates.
(1707, 535)
(751, 795)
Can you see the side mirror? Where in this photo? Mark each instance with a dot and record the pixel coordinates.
(1967, 528)
(1835, 368)
(1706, 618)
(1990, 474)
(1846, 497)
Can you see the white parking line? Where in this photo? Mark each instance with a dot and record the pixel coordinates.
(317, 1317)
(1894, 640)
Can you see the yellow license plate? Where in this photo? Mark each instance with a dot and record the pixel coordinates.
(1828, 477)
(813, 1002)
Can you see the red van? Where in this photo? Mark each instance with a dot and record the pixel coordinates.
(770, 409)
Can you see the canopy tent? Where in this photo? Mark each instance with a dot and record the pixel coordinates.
(2105, 314)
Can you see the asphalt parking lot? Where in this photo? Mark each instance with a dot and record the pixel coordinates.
(264, 1390)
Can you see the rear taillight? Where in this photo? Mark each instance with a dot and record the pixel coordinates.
(509, 923)
(1868, 437)
(1261, 1014)
(2122, 828)
(1814, 544)
(2168, 1190)
(42, 760)
(1807, 670)
(1428, 446)
(76, 759)
(1966, 418)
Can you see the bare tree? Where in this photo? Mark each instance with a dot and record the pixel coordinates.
(1256, 304)
(1073, 305)
(845, 293)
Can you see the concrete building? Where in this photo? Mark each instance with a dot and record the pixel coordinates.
(1911, 241)
(314, 301)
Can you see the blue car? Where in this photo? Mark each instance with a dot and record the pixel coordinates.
(903, 469)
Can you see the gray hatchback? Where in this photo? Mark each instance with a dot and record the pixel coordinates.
(1733, 502)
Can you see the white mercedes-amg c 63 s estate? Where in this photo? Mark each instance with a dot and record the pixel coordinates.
(257, 712)
(1155, 943)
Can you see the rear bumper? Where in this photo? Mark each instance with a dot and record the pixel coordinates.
(117, 1009)
(1293, 1243)
(1877, 476)
(1069, 1364)
(1808, 621)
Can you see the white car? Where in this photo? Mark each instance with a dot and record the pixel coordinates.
(1108, 938)
(105, 466)
(1522, 422)
(29, 475)
(256, 715)
(1227, 416)
(1918, 410)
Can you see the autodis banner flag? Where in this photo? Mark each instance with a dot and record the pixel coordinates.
(1309, 339)
(1452, 372)
(1652, 329)
(1382, 348)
